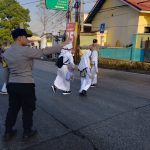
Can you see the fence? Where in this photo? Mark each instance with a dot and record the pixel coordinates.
(139, 51)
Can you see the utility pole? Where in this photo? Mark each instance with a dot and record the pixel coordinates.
(44, 20)
(82, 16)
(44, 17)
(77, 7)
(68, 14)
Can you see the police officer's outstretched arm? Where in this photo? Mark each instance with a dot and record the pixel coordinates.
(38, 53)
(21, 42)
(54, 49)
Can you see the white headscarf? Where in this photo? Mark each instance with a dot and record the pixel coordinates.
(67, 55)
(85, 60)
(66, 49)
(68, 46)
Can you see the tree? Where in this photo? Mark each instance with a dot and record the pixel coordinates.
(11, 15)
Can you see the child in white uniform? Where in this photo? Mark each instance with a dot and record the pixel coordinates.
(94, 68)
(62, 82)
(3, 90)
(94, 62)
(85, 72)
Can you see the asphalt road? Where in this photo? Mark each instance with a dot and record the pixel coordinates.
(114, 116)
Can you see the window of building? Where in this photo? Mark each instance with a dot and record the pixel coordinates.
(87, 29)
(147, 30)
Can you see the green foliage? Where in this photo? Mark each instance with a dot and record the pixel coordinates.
(11, 15)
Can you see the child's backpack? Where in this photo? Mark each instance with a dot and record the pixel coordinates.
(59, 62)
(83, 73)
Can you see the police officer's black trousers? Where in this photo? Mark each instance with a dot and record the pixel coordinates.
(21, 96)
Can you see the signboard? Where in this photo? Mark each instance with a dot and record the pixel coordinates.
(71, 32)
(57, 4)
(102, 28)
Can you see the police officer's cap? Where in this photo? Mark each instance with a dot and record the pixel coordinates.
(19, 32)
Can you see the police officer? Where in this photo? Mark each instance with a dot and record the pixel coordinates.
(21, 87)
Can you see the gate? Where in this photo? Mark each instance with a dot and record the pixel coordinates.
(147, 50)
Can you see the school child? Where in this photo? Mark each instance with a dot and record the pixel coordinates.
(62, 82)
(85, 73)
(4, 89)
(94, 62)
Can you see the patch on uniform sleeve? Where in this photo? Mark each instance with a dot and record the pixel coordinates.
(4, 63)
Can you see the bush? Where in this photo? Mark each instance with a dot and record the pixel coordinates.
(124, 65)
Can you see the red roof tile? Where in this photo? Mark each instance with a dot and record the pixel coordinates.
(142, 5)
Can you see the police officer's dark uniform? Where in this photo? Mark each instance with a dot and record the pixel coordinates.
(21, 87)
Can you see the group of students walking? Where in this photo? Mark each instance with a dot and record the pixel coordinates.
(88, 68)
(19, 59)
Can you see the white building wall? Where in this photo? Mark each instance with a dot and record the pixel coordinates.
(120, 22)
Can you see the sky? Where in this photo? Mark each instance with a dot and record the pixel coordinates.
(35, 24)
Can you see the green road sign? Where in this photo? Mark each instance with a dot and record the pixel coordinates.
(57, 4)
